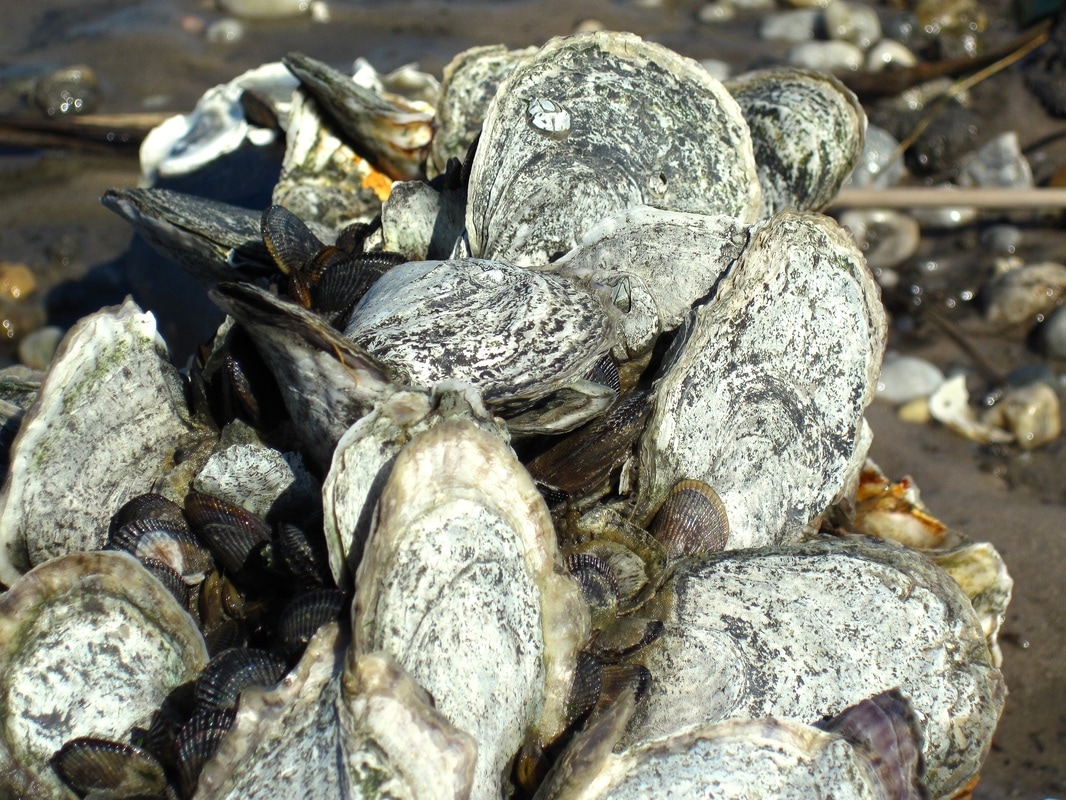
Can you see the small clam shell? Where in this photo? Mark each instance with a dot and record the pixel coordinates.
(149, 506)
(165, 541)
(807, 129)
(117, 770)
(303, 554)
(234, 535)
(90, 645)
(308, 612)
(106, 424)
(231, 672)
(564, 145)
(691, 521)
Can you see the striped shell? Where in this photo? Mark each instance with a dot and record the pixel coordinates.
(594, 124)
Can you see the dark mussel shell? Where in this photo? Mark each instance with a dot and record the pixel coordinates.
(88, 764)
(148, 506)
(164, 540)
(691, 521)
(232, 671)
(306, 614)
(197, 742)
(342, 281)
(585, 690)
(235, 536)
(226, 635)
(304, 556)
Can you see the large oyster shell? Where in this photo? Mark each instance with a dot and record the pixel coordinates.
(594, 124)
(515, 334)
(458, 583)
(804, 631)
(764, 395)
(90, 645)
(106, 425)
(338, 728)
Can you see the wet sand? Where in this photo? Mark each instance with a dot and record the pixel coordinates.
(153, 56)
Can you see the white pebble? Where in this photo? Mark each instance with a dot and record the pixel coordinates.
(905, 378)
(826, 56)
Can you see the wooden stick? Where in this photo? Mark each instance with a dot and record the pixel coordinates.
(99, 132)
(924, 197)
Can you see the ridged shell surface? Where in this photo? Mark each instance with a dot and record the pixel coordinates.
(513, 333)
(340, 728)
(807, 129)
(90, 645)
(805, 631)
(458, 583)
(105, 426)
(764, 395)
(594, 124)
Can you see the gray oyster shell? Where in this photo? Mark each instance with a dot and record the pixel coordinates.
(90, 645)
(676, 258)
(514, 334)
(470, 82)
(739, 759)
(765, 389)
(340, 727)
(804, 631)
(563, 146)
(421, 222)
(461, 583)
(807, 129)
(105, 426)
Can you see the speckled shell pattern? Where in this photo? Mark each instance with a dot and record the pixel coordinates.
(564, 146)
(786, 632)
(766, 384)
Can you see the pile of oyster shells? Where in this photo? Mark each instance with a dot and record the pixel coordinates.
(533, 466)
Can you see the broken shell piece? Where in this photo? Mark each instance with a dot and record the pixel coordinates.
(336, 726)
(1029, 412)
(105, 426)
(90, 645)
(982, 574)
(895, 512)
(842, 618)
(950, 406)
(459, 583)
(763, 391)
(624, 116)
(1019, 295)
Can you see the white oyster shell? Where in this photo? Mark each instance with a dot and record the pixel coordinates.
(804, 631)
(90, 645)
(594, 124)
(105, 426)
(340, 728)
(807, 130)
(458, 583)
(764, 397)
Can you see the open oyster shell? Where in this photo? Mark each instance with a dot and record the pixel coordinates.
(340, 727)
(563, 146)
(764, 389)
(90, 645)
(107, 424)
(458, 583)
(806, 630)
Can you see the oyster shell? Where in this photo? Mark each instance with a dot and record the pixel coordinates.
(514, 334)
(806, 630)
(90, 645)
(807, 129)
(562, 148)
(745, 758)
(458, 582)
(765, 387)
(107, 423)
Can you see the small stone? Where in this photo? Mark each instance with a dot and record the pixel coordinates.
(589, 26)
(717, 69)
(16, 281)
(72, 90)
(916, 412)
(1050, 337)
(1002, 240)
(889, 53)
(1021, 295)
(225, 31)
(722, 11)
(887, 238)
(852, 22)
(999, 164)
(37, 348)
(791, 26)
(265, 9)
(880, 164)
(906, 378)
(826, 56)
